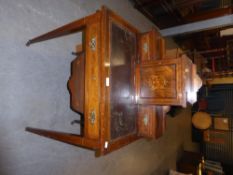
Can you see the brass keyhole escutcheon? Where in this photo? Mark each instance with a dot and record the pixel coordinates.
(145, 120)
(145, 47)
(92, 117)
(92, 43)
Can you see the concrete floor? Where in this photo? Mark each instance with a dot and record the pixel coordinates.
(176, 139)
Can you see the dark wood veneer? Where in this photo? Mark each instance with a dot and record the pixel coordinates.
(120, 82)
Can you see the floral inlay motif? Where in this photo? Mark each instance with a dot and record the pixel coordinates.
(155, 82)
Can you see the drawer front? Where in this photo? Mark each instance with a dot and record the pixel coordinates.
(92, 81)
(151, 46)
(147, 121)
(151, 121)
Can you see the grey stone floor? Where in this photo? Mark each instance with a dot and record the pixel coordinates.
(176, 139)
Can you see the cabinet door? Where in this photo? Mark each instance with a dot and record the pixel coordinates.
(160, 82)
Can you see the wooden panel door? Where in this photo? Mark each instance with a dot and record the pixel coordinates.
(160, 82)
